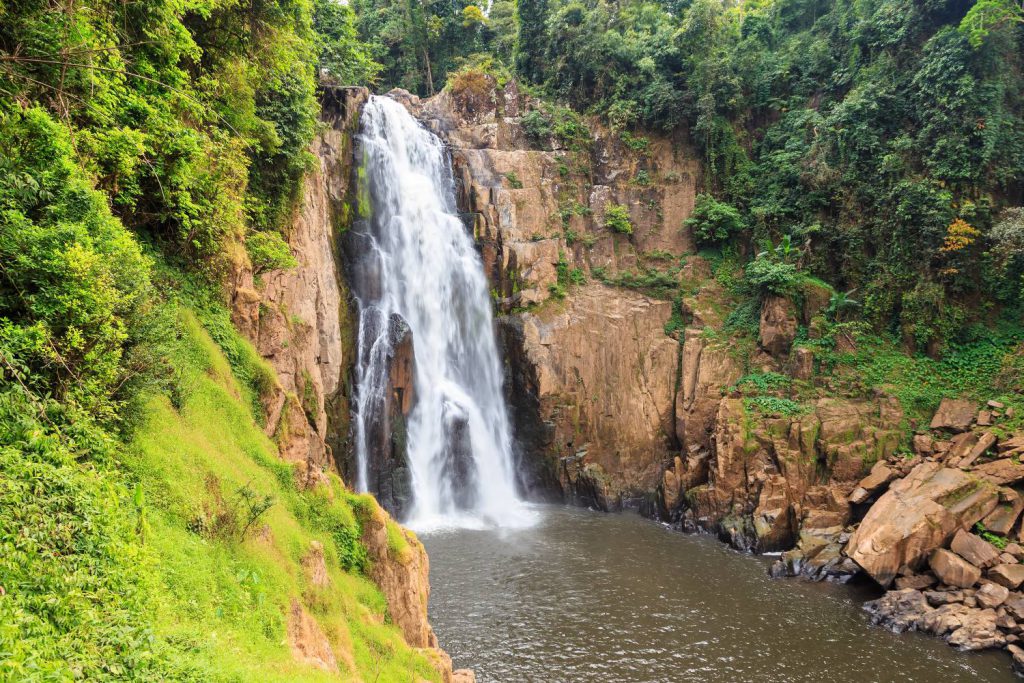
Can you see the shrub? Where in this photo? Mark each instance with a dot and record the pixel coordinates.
(713, 222)
(268, 251)
(770, 275)
(616, 219)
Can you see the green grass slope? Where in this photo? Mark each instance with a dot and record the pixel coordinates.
(139, 566)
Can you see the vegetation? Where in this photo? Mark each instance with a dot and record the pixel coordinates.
(149, 530)
(616, 219)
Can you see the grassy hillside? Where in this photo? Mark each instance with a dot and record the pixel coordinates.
(139, 566)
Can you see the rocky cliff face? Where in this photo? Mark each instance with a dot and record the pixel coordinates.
(593, 374)
(299, 319)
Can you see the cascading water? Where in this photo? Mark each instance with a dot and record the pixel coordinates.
(422, 276)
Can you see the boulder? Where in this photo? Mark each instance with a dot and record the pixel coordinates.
(1003, 472)
(881, 474)
(952, 569)
(939, 598)
(978, 631)
(918, 581)
(1004, 517)
(954, 415)
(1009, 575)
(923, 444)
(778, 325)
(992, 595)
(1014, 606)
(975, 549)
(944, 619)
(918, 514)
(985, 442)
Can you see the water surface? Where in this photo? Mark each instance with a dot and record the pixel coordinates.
(586, 596)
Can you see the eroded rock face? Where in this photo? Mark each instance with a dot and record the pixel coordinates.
(594, 374)
(298, 318)
(778, 325)
(919, 513)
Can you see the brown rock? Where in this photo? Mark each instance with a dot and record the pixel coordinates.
(881, 474)
(992, 595)
(939, 598)
(1009, 575)
(1018, 657)
(978, 631)
(803, 363)
(918, 581)
(974, 549)
(995, 405)
(1002, 519)
(1007, 558)
(1002, 472)
(917, 514)
(945, 619)
(1015, 606)
(463, 676)
(1015, 550)
(778, 325)
(985, 442)
(953, 414)
(984, 418)
(952, 569)
(1011, 444)
(923, 444)
(959, 446)
(315, 566)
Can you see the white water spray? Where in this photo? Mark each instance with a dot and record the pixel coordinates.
(427, 272)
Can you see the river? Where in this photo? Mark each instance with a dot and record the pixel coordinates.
(587, 596)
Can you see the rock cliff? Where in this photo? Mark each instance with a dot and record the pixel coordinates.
(299, 319)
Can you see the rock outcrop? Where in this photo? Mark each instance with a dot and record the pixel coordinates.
(298, 317)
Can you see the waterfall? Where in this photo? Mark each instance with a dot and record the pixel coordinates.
(423, 277)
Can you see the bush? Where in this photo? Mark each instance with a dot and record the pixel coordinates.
(713, 222)
(771, 275)
(616, 219)
(268, 251)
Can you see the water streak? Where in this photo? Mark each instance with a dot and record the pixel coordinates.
(428, 281)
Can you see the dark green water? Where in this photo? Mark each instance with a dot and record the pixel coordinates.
(585, 596)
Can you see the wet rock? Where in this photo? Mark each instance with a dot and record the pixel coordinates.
(974, 549)
(899, 610)
(1009, 575)
(952, 569)
(1018, 657)
(954, 415)
(917, 514)
(978, 631)
(992, 595)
